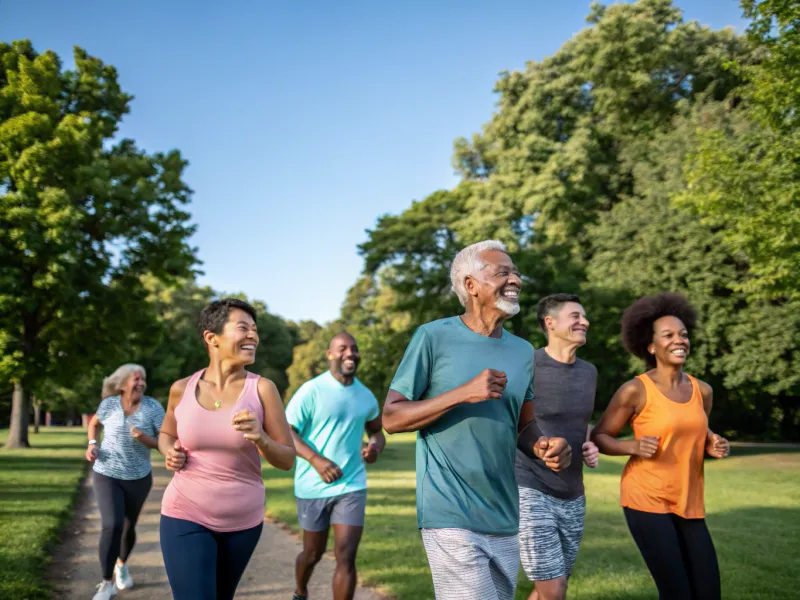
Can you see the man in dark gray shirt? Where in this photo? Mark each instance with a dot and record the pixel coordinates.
(552, 505)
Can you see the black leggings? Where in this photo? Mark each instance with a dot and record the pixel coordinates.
(679, 553)
(120, 501)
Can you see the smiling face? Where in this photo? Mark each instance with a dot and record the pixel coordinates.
(343, 356)
(568, 323)
(238, 340)
(670, 345)
(497, 284)
(134, 386)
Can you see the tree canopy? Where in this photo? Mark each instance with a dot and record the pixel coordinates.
(648, 154)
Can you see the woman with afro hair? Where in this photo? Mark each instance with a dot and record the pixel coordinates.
(661, 491)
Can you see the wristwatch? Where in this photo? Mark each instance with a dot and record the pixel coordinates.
(92, 442)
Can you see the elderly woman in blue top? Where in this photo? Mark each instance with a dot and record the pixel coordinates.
(462, 384)
(122, 474)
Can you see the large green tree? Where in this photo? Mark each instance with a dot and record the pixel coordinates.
(84, 216)
(556, 156)
(743, 173)
(553, 156)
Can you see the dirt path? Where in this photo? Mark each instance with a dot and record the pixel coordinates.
(269, 576)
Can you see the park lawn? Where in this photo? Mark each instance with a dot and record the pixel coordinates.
(753, 515)
(39, 489)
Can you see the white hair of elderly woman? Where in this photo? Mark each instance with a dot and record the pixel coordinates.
(468, 262)
(112, 385)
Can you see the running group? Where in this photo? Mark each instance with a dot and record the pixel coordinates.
(503, 433)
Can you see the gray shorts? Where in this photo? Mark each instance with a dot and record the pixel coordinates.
(467, 565)
(317, 514)
(550, 533)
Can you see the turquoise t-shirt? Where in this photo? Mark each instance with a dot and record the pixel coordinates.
(465, 459)
(330, 417)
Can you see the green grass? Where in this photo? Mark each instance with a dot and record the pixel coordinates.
(38, 492)
(751, 501)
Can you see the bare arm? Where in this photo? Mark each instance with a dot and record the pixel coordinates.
(374, 429)
(304, 451)
(377, 441)
(92, 428)
(145, 440)
(553, 451)
(168, 443)
(716, 445)
(328, 470)
(626, 403)
(277, 447)
(401, 414)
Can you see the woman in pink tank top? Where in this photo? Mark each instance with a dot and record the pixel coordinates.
(218, 422)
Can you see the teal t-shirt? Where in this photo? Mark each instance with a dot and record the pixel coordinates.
(330, 417)
(465, 459)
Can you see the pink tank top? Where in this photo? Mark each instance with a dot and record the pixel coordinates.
(220, 487)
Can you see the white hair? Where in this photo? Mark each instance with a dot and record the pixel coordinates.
(112, 385)
(469, 262)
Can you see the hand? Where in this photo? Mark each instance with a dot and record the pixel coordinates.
(136, 434)
(369, 453)
(488, 385)
(554, 451)
(253, 430)
(590, 454)
(328, 470)
(92, 452)
(647, 446)
(717, 446)
(176, 457)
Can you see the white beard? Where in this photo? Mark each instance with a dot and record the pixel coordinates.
(508, 307)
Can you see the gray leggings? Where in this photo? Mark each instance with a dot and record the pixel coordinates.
(120, 501)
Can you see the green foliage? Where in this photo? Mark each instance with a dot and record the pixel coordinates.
(84, 217)
(39, 489)
(594, 170)
(743, 174)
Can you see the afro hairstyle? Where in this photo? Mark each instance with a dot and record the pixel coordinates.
(639, 318)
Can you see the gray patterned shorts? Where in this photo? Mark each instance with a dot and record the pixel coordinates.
(468, 565)
(550, 533)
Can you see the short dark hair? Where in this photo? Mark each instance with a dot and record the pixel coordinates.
(639, 318)
(214, 316)
(550, 304)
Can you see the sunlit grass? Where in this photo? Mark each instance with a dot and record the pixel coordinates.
(753, 514)
(38, 490)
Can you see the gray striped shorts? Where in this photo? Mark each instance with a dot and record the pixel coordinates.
(467, 565)
(550, 533)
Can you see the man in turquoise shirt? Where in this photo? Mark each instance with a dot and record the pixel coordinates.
(461, 385)
(328, 416)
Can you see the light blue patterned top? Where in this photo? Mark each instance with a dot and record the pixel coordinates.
(120, 456)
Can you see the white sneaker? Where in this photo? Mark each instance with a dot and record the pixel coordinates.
(122, 577)
(105, 591)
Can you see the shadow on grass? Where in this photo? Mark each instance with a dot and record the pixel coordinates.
(758, 450)
(24, 464)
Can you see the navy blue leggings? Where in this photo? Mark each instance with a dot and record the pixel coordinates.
(203, 564)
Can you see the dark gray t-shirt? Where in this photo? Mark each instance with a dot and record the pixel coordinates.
(563, 401)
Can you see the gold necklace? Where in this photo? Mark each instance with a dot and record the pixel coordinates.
(217, 403)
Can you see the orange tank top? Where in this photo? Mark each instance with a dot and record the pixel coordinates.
(672, 480)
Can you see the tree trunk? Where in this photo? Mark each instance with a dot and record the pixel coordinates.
(37, 415)
(20, 404)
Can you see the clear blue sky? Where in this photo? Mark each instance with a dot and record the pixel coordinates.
(305, 121)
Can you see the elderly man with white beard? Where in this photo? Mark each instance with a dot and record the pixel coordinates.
(461, 385)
